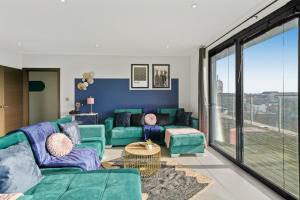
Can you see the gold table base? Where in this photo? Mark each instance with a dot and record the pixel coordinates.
(147, 161)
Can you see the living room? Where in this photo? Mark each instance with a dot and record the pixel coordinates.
(149, 99)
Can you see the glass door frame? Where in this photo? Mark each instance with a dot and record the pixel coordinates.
(279, 17)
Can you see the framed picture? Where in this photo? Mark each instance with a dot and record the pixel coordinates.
(139, 76)
(161, 76)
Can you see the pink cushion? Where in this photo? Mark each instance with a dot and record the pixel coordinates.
(150, 119)
(58, 144)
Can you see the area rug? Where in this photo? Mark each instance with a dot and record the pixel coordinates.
(172, 182)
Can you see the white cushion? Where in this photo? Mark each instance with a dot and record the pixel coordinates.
(58, 144)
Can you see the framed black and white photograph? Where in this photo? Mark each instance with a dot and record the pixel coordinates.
(139, 76)
(161, 76)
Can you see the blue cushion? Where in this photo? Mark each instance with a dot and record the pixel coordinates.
(18, 170)
(72, 131)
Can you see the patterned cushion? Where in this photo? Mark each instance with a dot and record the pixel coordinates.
(150, 119)
(58, 144)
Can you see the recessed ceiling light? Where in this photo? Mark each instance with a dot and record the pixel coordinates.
(63, 1)
(97, 45)
(167, 46)
(19, 44)
(194, 5)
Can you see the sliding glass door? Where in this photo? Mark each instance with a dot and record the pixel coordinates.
(270, 105)
(223, 101)
(253, 92)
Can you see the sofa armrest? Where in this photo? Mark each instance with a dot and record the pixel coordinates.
(194, 123)
(92, 132)
(109, 125)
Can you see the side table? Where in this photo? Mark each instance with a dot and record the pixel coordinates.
(147, 161)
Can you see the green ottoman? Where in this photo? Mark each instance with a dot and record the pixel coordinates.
(185, 141)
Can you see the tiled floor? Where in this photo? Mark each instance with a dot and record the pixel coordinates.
(230, 182)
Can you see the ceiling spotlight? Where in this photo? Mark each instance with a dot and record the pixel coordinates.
(97, 45)
(19, 44)
(167, 46)
(194, 5)
(63, 1)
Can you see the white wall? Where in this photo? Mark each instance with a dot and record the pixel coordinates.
(10, 59)
(107, 67)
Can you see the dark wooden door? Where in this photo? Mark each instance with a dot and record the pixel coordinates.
(11, 101)
(1, 101)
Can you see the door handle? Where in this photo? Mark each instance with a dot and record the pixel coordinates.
(3, 106)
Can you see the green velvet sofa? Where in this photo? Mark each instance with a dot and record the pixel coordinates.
(120, 136)
(70, 183)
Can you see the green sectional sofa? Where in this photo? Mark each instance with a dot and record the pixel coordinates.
(72, 183)
(120, 136)
(121, 184)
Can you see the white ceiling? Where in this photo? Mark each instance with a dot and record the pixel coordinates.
(120, 27)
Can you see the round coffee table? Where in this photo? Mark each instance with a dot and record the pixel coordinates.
(147, 161)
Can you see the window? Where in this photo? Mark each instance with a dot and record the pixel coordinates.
(254, 117)
(270, 105)
(223, 101)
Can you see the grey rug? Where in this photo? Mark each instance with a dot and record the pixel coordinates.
(172, 182)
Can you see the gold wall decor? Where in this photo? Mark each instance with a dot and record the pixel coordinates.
(87, 79)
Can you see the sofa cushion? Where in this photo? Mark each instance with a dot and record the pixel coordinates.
(18, 170)
(150, 119)
(163, 119)
(138, 119)
(131, 110)
(170, 111)
(127, 132)
(182, 118)
(72, 131)
(62, 120)
(95, 145)
(94, 185)
(58, 144)
(122, 119)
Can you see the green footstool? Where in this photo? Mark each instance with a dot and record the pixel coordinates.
(185, 141)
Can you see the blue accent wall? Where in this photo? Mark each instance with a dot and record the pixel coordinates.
(110, 94)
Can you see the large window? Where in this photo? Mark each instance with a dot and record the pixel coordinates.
(270, 99)
(253, 111)
(223, 101)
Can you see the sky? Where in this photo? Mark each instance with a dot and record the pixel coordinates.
(270, 65)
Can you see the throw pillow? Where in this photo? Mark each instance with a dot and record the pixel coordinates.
(59, 145)
(150, 119)
(72, 131)
(163, 119)
(18, 170)
(138, 119)
(183, 118)
(122, 119)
